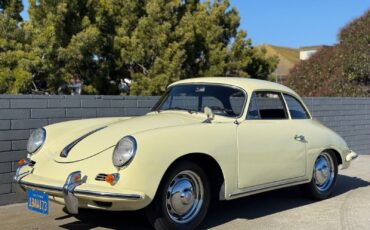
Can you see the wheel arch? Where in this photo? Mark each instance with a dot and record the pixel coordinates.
(211, 168)
(337, 155)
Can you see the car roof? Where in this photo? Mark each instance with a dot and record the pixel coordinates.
(247, 84)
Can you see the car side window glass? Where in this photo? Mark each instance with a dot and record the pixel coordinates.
(267, 106)
(253, 109)
(296, 110)
(237, 102)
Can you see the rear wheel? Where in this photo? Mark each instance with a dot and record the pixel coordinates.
(324, 176)
(182, 199)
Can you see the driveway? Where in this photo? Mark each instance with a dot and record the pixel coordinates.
(349, 208)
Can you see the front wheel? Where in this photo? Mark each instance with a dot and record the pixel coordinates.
(182, 199)
(324, 177)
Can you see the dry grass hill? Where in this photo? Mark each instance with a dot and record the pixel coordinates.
(288, 57)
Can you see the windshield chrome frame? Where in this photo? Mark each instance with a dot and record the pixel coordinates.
(160, 101)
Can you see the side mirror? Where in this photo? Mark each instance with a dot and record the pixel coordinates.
(209, 113)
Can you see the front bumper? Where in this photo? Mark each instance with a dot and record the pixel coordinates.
(76, 193)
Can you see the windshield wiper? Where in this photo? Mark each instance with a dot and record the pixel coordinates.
(179, 108)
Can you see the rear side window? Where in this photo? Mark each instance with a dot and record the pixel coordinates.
(267, 106)
(296, 110)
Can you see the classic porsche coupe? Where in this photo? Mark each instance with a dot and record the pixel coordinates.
(206, 138)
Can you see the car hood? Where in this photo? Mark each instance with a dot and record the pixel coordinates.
(85, 138)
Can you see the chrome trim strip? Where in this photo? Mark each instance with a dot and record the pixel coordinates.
(84, 192)
(108, 194)
(69, 147)
(275, 184)
(40, 186)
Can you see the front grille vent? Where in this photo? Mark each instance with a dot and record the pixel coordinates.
(101, 177)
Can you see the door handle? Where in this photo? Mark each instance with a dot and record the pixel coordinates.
(300, 138)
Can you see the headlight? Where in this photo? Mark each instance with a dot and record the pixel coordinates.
(36, 140)
(124, 151)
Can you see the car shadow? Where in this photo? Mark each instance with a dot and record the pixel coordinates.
(250, 207)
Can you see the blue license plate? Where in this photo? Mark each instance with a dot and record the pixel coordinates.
(38, 201)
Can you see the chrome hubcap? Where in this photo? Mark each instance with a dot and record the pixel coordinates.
(323, 173)
(184, 197)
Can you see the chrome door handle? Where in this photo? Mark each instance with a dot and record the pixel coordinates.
(299, 138)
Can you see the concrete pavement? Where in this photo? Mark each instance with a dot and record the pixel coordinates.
(349, 208)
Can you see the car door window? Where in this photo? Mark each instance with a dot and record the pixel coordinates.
(267, 106)
(237, 101)
(253, 109)
(296, 110)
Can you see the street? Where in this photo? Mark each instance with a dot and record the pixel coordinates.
(348, 208)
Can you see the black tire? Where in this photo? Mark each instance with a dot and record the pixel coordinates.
(312, 190)
(157, 212)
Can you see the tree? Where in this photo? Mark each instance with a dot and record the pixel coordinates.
(153, 42)
(12, 8)
(15, 75)
(339, 70)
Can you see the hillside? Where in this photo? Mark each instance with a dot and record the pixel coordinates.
(288, 57)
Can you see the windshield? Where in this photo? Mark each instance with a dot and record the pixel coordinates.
(223, 100)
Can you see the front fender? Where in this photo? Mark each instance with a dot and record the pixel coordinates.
(158, 149)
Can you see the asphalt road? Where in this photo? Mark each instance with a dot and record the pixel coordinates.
(349, 208)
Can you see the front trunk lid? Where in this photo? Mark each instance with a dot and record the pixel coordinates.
(99, 138)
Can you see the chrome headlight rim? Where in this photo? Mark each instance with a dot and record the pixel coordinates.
(133, 152)
(33, 151)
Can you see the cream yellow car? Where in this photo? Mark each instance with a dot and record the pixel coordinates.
(206, 138)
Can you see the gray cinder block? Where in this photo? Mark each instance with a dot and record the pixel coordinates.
(64, 103)
(14, 135)
(4, 124)
(5, 167)
(28, 123)
(28, 103)
(14, 114)
(47, 113)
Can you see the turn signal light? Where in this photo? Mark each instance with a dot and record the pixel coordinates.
(23, 162)
(112, 178)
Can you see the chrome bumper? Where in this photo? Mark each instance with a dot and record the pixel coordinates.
(69, 190)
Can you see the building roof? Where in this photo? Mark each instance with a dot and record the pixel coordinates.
(308, 48)
(246, 83)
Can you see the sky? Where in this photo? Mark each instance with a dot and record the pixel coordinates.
(292, 23)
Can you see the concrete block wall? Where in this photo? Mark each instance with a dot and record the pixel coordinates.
(348, 116)
(20, 114)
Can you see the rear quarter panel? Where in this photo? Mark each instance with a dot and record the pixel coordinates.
(320, 138)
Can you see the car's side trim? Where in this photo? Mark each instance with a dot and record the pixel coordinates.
(69, 147)
(276, 184)
(83, 192)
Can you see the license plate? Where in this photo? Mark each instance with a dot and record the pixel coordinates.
(38, 201)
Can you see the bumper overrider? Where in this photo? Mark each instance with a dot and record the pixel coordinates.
(71, 193)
